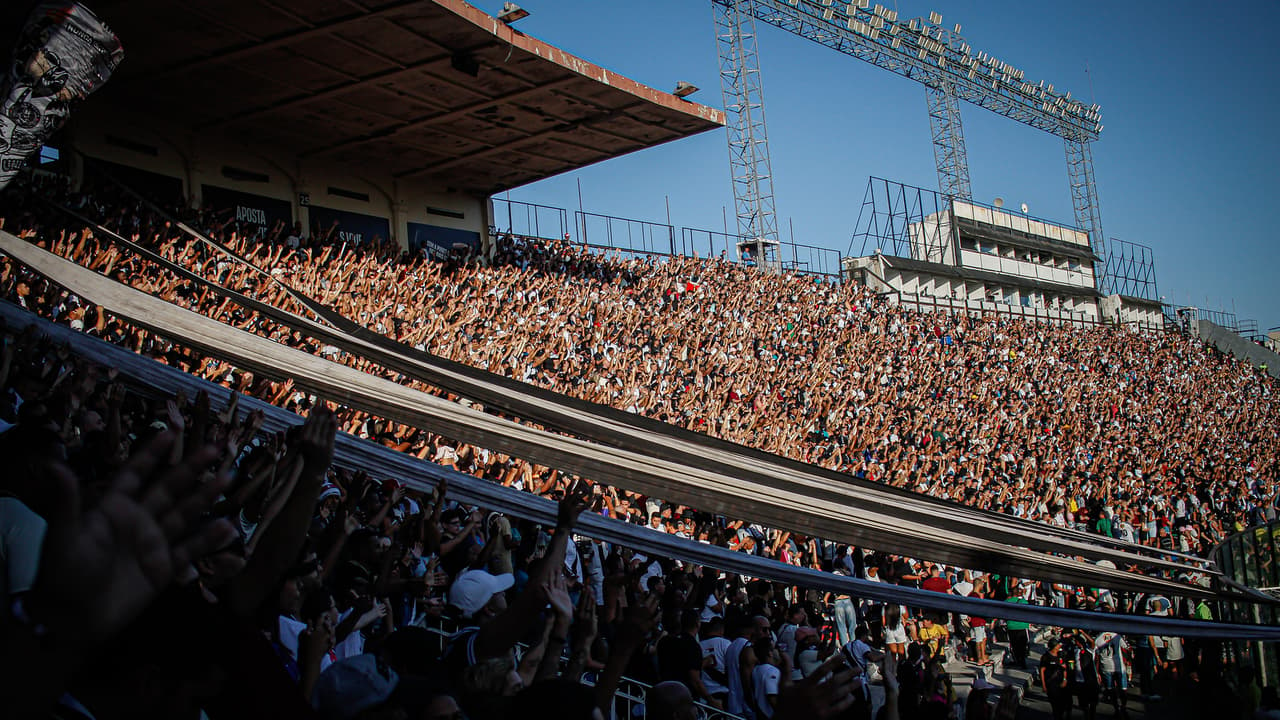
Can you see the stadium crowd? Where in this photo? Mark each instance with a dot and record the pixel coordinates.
(1148, 439)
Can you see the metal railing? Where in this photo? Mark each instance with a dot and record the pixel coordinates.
(631, 693)
(709, 243)
(811, 260)
(625, 234)
(530, 219)
(927, 303)
(1248, 559)
(642, 238)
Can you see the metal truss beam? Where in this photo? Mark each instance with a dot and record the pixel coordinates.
(922, 50)
(1131, 270)
(1084, 198)
(749, 164)
(948, 142)
(894, 221)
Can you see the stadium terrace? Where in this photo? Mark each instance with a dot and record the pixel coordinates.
(298, 423)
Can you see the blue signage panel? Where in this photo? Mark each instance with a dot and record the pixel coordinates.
(261, 213)
(337, 226)
(438, 241)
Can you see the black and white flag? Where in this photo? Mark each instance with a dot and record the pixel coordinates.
(63, 54)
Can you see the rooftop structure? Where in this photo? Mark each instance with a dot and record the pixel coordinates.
(431, 90)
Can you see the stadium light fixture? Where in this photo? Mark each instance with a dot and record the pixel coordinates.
(512, 12)
(684, 89)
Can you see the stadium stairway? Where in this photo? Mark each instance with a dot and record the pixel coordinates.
(1231, 343)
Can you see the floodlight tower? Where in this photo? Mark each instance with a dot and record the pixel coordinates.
(749, 163)
(938, 57)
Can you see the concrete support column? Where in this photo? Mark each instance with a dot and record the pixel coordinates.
(198, 173)
(304, 186)
(400, 220)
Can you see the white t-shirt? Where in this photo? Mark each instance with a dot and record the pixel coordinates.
(714, 648)
(764, 682)
(21, 538)
(290, 629)
(737, 700)
(1109, 647)
(787, 641)
(709, 609)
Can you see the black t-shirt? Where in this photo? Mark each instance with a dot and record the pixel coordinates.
(1054, 670)
(678, 655)
(1086, 662)
(899, 572)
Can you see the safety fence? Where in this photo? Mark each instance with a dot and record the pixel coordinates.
(926, 303)
(1249, 558)
(629, 236)
(628, 699)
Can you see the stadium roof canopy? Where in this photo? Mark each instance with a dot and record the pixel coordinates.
(430, 89)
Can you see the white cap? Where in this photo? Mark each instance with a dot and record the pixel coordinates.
(473, 589)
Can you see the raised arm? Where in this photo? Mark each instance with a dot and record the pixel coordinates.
(501, 633)
(283, 539)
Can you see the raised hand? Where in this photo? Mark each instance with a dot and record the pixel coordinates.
(313, 644)
(640, 620)
(201, 409)
(825, 693)
(557, 593)
(889, 672)
(375, 612)
(229, 412)
(350, 524)
(101, 567)
(576, 499)
(174, 415)
(253, 424)
(316, 443)
(356, 490)
(584, 622)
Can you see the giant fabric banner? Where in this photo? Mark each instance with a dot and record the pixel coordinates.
(64, 53)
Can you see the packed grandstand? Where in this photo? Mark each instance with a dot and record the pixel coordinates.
(184, 535)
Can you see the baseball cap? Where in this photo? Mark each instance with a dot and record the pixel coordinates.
(473, 589)
(351, 686)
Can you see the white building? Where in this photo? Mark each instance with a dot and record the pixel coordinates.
(976, 257)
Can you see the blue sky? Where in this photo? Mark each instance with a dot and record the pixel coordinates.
(1188, 163)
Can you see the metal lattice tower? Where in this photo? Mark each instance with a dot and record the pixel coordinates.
(1084, 198)
(948, 142)
(744, 114)
(924, 51)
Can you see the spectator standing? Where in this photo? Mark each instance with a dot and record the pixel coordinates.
(1053, 678)
(767, 677)
(1019, 634)
(859, 655)
(714, 646)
